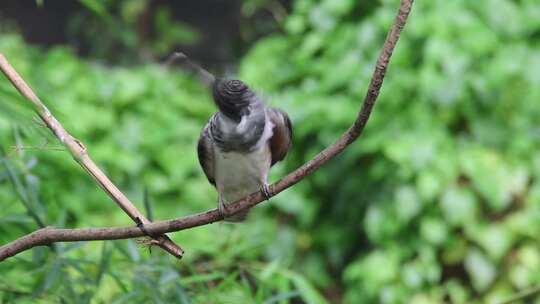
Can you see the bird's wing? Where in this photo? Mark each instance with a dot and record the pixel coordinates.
(281, 140)
(205, 151)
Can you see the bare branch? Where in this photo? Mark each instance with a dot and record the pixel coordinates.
(80, 154)
(51, 235)
(204, 76)
(527, 294)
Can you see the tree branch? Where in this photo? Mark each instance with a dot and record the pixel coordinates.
(50, 235)
(523, 295)
(80, 154)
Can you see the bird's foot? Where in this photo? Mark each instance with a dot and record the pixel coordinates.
(222, 208)
(265, 190)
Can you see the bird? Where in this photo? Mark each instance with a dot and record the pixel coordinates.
(240, 143)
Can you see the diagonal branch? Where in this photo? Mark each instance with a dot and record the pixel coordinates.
(527, 294)
(50, 235)
(80, 154)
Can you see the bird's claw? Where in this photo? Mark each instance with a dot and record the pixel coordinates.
(265, 190)
(222, 209)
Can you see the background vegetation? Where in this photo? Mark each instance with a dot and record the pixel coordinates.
(438, 201)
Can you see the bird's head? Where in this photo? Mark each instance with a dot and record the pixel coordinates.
(233, 98)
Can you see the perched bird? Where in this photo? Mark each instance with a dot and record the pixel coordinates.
(241, 142)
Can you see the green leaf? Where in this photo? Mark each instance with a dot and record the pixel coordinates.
(308, 293)
(458, 205)
(480, 269)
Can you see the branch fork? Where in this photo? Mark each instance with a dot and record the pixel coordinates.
(80, 155)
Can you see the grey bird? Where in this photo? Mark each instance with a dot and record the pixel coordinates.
(241, 142)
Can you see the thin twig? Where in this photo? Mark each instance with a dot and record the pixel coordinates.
(204, 75)
(523, 295)
(51, 235)
(42, 148)
(80, 154)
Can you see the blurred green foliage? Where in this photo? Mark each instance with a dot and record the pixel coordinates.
(438, 201)
(120, 31)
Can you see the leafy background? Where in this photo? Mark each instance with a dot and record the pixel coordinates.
(438, 201)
